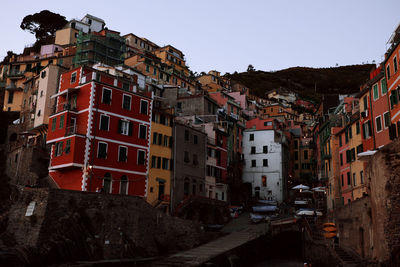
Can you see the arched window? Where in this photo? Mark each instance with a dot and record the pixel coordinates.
(107, 185)
(123, 187)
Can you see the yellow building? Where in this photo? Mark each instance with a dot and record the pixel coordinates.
(161, 161)
(356, 166)
(23, 67)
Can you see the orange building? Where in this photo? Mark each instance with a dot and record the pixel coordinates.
(213, 81)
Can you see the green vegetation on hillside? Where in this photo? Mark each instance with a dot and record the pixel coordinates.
(309, 83)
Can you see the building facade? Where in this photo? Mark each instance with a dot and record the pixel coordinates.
(100, 134)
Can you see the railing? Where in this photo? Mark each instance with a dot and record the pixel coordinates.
(70, 130)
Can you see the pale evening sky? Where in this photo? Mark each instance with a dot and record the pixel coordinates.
(228, 35)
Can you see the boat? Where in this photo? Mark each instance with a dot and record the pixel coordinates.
(266, 208)
(257, 218)
(308, 212)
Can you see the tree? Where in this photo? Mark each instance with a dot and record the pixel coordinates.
(43, 24)
(250, 68)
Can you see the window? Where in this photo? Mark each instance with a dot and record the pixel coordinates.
(386, 119)
(155, 138)
(251, 137)
(106, 97)
(395, 64)
(362, 177)
(367, 129)
(58, 149)
(359, 148)
(186, 157)
(253, 150)
(141, 157)
(126, 102)
(154, 71)
(10, 97)
(348, 178)
(341, 159)
(265, 149)
(104, 122)
(107, 185)
(305, 154)
(268, 123)
(68, 146)
(125, 127)
(73, 77)
(159, 140)
(383, 86)
(102, 150)
(365, 101)
(153, 161)
(253, 163)
(340, 140)
(357, 127)
(123, 187)
(375, 90)
(53, 124)
(296, 155)
(350, 132)
(378, 124)
(43, 74)
(264, 181)
(186, 135)
(393, 98)
(354, 179)
(165, 163)
(143, 107)
(388, 72)
(147, 68)
(296, 166)
(142, 131)
(62, 117)
(158, 162)
(125, 86)
(265, 162)
(195, 139)
(166, 138)
(342, 180)
(296, 144)
(122, 154)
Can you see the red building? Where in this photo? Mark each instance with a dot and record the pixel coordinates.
(100, 133)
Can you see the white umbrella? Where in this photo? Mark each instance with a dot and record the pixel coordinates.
(319, 189)
(301, 186)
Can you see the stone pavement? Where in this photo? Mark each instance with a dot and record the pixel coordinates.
(241, 232)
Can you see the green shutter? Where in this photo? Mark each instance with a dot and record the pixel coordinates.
(383, 86)
(62, 121)
(53, 126)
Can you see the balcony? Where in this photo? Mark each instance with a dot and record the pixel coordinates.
(235, 116)
(15, 74)
(70, 130)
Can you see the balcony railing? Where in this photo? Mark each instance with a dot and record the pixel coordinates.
(70, 130)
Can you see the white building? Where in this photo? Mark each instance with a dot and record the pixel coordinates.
(266, 155)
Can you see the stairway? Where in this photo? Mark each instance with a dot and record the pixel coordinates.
(346, 258)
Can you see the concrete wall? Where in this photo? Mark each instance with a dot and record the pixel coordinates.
(71, 225)
(194, 174)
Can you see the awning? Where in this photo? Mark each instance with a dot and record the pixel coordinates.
(366, 155)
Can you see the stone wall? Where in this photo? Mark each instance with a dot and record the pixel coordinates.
(370, 226)
(354, 222)
(71, 225)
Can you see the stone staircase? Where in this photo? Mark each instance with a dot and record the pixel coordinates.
(346, 258)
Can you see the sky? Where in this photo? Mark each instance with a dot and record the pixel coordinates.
(229, 35)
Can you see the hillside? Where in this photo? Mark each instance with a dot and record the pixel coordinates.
(310, 83)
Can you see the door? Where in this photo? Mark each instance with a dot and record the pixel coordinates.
(161, 188)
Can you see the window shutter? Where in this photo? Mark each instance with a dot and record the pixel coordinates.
(130, 128)
(119, 126)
